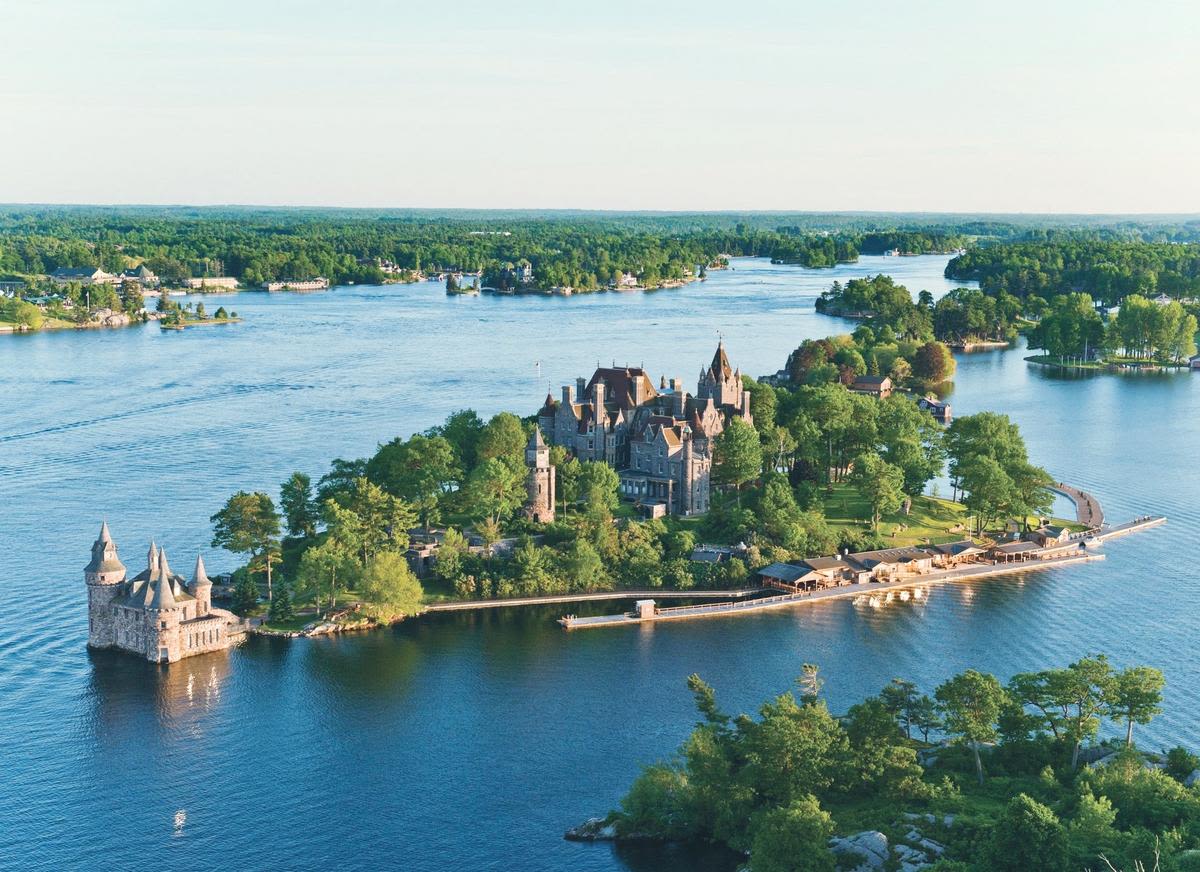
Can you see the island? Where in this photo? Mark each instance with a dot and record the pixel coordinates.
(737, 491)
(973, 774)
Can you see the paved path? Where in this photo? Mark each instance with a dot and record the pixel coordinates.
(1087, 507)
(583, 597)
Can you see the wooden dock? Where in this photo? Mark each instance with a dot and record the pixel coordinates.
(713, 610)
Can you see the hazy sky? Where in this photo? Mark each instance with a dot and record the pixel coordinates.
(1015, 106)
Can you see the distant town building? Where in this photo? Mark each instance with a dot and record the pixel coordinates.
(9, 289)
(156, 614)
(225, 283)
(1194, 362)
(1162, 300)
(87, 275)
(875, 385)
(141, 274)
(940, 411)
(317, 284)
(659, 441)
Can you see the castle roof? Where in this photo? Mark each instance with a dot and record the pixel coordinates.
(535, 438)
(720, 363)
(550, 406)
(621, 385)
(164, 597)
(104, 553)
(199, 576)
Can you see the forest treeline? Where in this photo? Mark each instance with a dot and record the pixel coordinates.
(1108, 270)
(578, 249)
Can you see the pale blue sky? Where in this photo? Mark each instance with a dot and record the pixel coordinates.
(1015, 106)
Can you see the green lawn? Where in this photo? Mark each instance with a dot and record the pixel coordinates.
(932, 520)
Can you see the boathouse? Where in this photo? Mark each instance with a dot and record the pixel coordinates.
(888, 564)
(1011, 551)
(952, 554)
(876, 385)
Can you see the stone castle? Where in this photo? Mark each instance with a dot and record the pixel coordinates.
(658, 440)
(156, 614)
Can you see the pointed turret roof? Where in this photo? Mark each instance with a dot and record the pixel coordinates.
(199, 576)
(104, 554)
(535, 438)
(164, 597)
(152, 560)
(720, 362)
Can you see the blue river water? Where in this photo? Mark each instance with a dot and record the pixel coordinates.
(472, 741)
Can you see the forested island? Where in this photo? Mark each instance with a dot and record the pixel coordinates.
(822, 469)
(974, 774)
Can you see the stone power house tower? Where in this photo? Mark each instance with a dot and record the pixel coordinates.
(539, 483)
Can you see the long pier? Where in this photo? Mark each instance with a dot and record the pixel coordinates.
(1055, 556)
(466, 605)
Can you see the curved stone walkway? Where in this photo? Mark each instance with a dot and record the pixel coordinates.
(1087, 507)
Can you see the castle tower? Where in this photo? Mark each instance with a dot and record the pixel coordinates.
(201, 588)
(539, 504)
(162, 617)
(105, 579)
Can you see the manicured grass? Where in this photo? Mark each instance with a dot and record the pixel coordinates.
(930, 522)
(296, 623)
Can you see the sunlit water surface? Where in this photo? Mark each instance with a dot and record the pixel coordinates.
(473, 741)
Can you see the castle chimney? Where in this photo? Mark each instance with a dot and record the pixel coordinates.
(568, 395)
(581, 388)
(681, 398)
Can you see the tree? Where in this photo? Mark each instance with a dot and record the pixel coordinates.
(299, 507)
(503, 438)
(420, 470)
(810, 683)
(367, 519)
(245, 594)
(1080, 690)
(794, 838)
(970, 703)
(462, 430)
(1134, 695)
(737, 455)
(598, 483)
(281, 605)
(389, 587)
(880, 483)
(495, 489)
(1028, 836)
(933, 363)
(900, 698)
(325, 570)
(923, 716)
(249, 524)
(583, 568)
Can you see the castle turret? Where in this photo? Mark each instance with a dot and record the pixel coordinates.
(201, 588)
(105, 579)
(539, 483)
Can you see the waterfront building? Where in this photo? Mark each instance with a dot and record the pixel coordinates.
(88, 275)
(1194, 362)
(141, 274)
(225, 283)
(941, 411)
(876, 385)
(317, 284)
(156, 614)
(658, 440)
